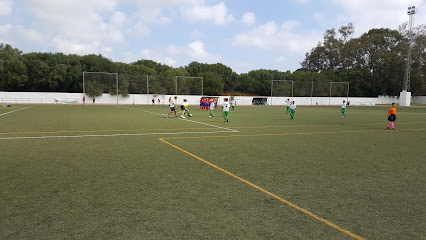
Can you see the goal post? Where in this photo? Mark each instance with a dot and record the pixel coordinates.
(339, 89)
(189, 85)
(284, 89)
(97, 83)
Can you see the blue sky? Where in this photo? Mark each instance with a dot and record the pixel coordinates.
(242, 34)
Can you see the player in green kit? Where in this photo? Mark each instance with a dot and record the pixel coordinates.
(211, 107)
(225, 108)
(288, 106)
(186, 108)
(344, 109)
(233, 104)
(292, 110)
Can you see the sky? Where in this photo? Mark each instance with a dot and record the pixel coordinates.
(242, 34)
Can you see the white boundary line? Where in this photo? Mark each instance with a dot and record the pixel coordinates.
(109, 135)
(13, 111)
(227, 129)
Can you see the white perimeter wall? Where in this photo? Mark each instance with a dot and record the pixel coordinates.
(49, 98)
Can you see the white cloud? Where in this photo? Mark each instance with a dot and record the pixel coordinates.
(152, 15)
(173, 50)
(157, 56)
(4, 29)
(280, 59)
(280, 38)
(367, 14)
(319, 18)
(218, 14)
(139, 29)
(72, 26)
(169, 61)
(61, 44)
(166, 3)
(249, 18)
(118, 19)
(196, 51)
(196, 35)
(5, 7)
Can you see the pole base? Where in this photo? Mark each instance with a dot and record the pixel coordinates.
(405, 98)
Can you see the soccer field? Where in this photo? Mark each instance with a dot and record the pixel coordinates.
(128, 172)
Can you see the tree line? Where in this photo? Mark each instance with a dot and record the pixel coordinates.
(373, 64)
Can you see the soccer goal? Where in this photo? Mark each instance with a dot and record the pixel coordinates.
(281, 88)
(338, 91)
(189, 85)
(97, 83)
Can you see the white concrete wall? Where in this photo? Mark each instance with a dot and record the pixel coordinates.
(49, 98)
(418, 100)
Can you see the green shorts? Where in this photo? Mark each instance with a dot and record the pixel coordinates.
(293, 111)
(225, 113)
(343, 110)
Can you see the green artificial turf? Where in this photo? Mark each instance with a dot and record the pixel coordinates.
(101, 172)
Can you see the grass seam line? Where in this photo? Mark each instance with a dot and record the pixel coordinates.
(109, 135)
(268, 193)
(228, 129)
(292, 133)
(112, 130)
(327, 125)
(13, 111)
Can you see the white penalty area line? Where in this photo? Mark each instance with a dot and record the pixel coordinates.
(210, 125)
(13, 111)
(109, 135)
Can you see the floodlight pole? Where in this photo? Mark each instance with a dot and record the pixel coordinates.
(116, 81)
(411, 12)
(176, 84)
(347, 95)
(147, 84)
(84, 90)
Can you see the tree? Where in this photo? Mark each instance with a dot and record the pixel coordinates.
(13, 71)
(213, 83)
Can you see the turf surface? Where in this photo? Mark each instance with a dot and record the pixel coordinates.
(102, 172)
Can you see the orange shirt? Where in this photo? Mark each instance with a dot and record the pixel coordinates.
(392, 111)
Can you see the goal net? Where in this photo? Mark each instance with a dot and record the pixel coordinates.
(189, 85)
(97, 83)
(133, 84)
(339, 91)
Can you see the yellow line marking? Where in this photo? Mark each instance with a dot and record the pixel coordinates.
(293, 133)
(94, 131)
(269, 193)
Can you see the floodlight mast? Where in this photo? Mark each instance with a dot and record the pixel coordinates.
(411, 12)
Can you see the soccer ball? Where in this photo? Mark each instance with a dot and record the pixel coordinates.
(190, 115)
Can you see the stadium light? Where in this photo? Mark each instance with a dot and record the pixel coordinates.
(411, 12)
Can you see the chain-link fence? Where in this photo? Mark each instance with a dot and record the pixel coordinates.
(97, 83)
